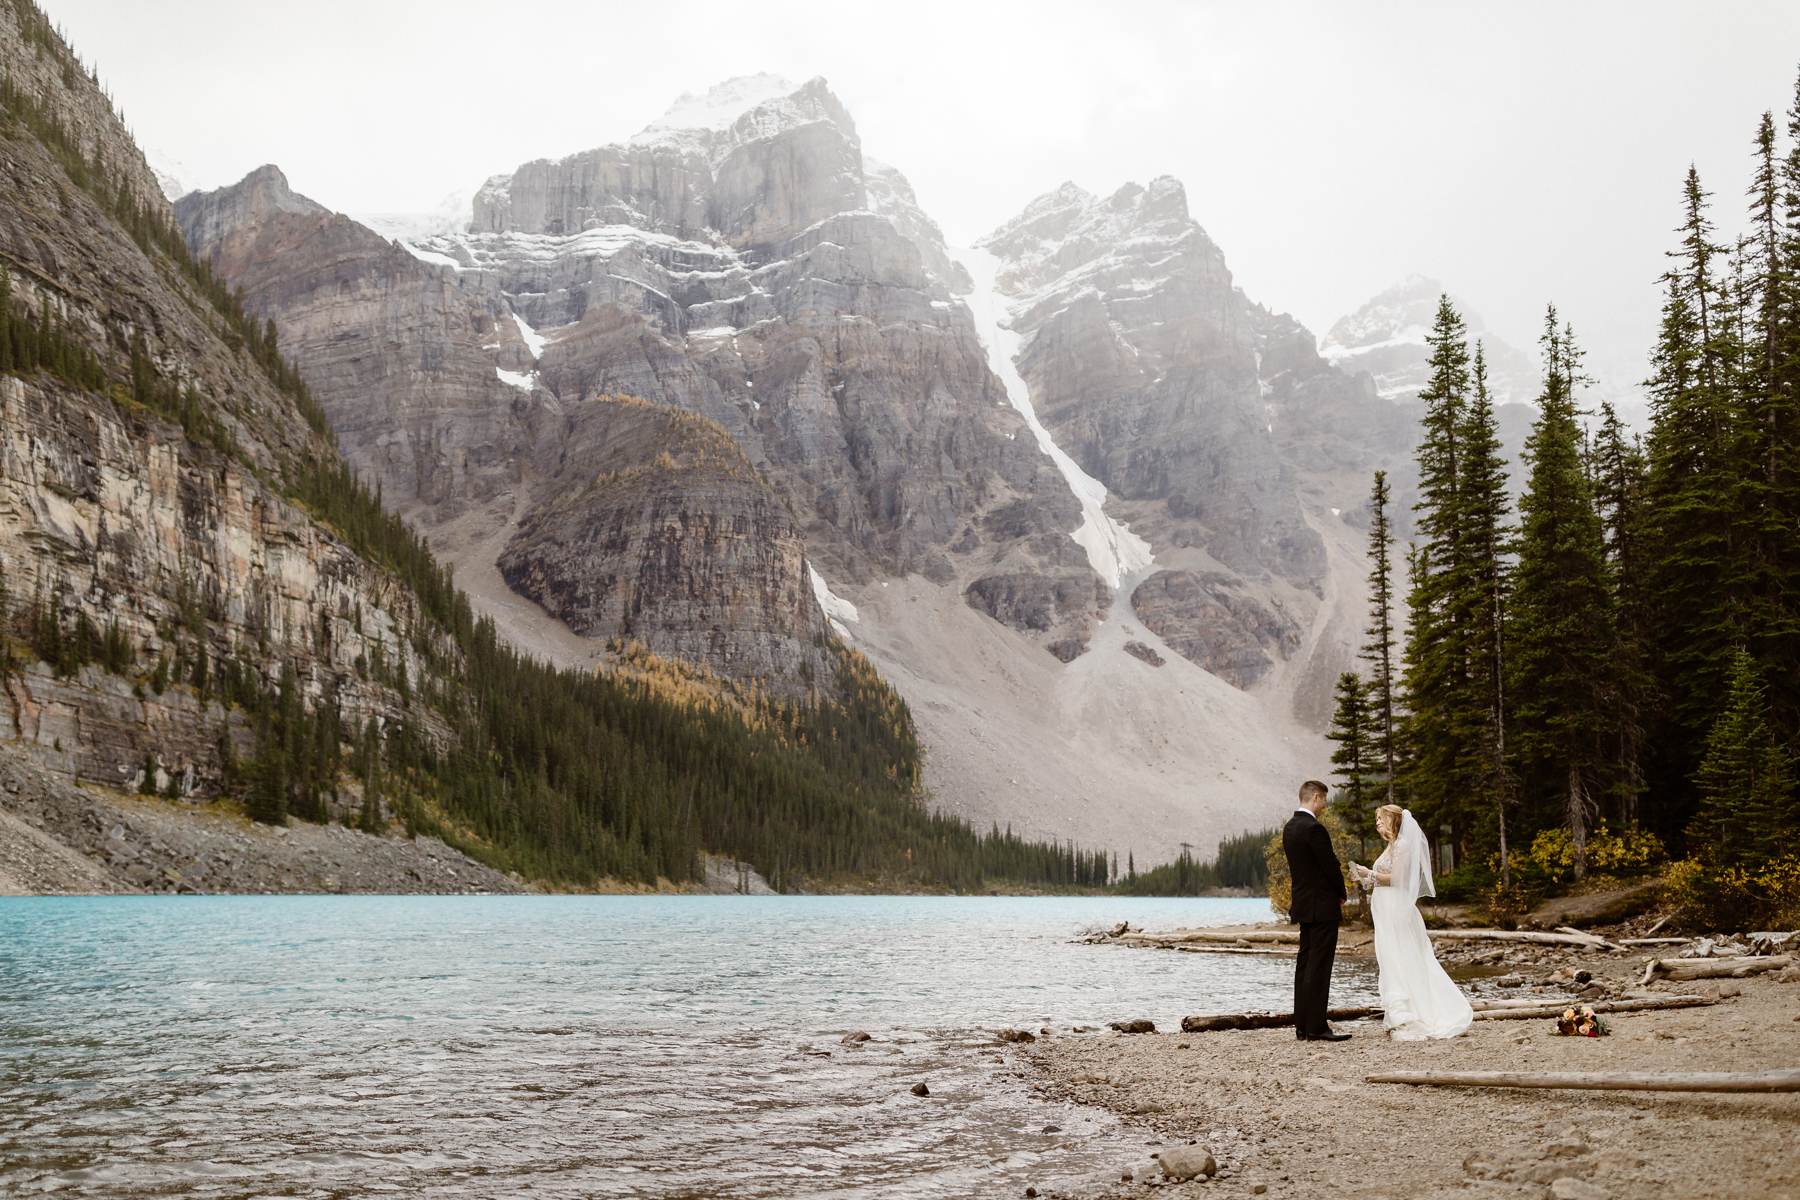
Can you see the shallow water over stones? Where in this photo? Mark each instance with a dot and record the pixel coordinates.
(570, 1046)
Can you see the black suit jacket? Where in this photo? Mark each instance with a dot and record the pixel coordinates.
(1312, 864)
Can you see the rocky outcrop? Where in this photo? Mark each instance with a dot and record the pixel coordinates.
(403, 361)
(1143, 363)
(675, 542)
(1213, 620)
(1063, 606)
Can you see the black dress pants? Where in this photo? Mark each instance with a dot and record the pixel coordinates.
(1312, 977)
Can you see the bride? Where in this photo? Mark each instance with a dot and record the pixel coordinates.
(1420, 999)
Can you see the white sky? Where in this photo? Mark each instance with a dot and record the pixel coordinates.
(1521, 152)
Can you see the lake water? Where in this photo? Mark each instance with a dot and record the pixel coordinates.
(338, 1046)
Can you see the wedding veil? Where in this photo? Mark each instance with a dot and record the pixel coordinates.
(1410, 873)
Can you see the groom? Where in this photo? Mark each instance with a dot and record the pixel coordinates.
(1317, 904)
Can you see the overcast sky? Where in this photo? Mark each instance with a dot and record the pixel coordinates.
(1520, 152)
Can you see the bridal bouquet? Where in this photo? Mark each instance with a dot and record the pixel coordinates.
(1581, 1021)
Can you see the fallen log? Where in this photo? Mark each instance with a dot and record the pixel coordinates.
(1485, 1010)
(1202, 948)
(1212, 1022)
(1660, 922)
(1615, 1081)
(1680, 970)
(1224, 936)
(1587, 940)
(1650, 941)
(1533, 1012)
(1574, 932)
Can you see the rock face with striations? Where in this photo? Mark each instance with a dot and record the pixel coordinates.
(674, 541)
(170, 538)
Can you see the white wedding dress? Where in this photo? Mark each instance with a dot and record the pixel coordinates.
(1420, 999)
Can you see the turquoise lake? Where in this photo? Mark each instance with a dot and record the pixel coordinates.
(339, 1046)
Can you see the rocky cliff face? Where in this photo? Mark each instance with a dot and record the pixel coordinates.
(168, 536)
(1194, 406)
(676, 542)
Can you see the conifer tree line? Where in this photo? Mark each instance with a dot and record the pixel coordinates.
(568, 778)
(1624, 648)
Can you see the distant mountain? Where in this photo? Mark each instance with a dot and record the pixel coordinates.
(1386, 338)
(1018, 476)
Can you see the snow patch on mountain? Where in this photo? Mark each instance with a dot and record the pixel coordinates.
(837, 610)
(715, 109)
(1112, 549)
(451, 215)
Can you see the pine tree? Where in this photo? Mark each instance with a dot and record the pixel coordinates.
(1619, 483)
(1564, 627)
(1378, 650)
(1690, 571)
(1354, 758)
(1436, 653)
(1746, 780)
(1478, 597)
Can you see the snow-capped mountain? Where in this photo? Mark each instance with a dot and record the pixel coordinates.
(722, 387)
(1386, 338)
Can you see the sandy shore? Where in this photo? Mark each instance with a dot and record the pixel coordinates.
(1297, 1119)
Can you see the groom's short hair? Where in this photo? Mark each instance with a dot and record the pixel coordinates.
(1312, 790)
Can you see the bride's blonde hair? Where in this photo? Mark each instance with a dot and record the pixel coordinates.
(1389, 813)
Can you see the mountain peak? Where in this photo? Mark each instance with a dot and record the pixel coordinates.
(208, 216)
(718, 107)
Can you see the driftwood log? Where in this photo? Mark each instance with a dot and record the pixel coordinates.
(1652, 941)
(1485, 1010)
(1680, 970)
(1625, 1081)
(1525, 1012)
(1225, 937)
(1210, 1022)
(1576, 938)
(1205, 948)
(1574, 932)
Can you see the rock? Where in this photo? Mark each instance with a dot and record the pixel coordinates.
(1136, 1025)
(1212, 620)
(851, 1039)
(1258, 1189)
(1570, 1187)
(1119, 930)
(1030, 1193)
(1186, 1162)
(1016, 1035)
(919, 1089)
(1508, 981)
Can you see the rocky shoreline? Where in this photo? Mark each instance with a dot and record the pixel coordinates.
(60, 839)
(1287, 1118)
